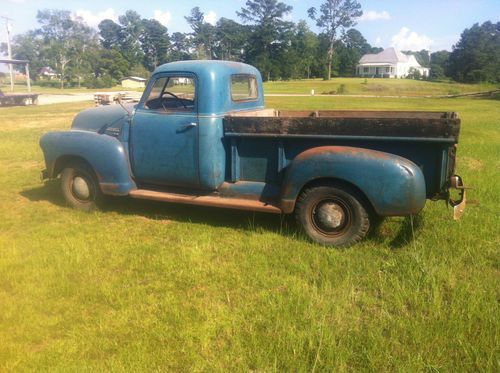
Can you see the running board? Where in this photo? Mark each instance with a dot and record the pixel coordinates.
(212, 201)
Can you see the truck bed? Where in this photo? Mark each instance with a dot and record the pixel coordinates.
(380, 124)
(263, 142)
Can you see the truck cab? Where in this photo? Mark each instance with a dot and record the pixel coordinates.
(201, 135)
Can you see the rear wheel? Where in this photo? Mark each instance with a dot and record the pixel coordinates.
(80, 187)
(332, 215)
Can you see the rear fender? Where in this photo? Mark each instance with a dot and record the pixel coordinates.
(105, 154)
(393, 185)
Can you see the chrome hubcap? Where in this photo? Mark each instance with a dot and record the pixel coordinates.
(330, 215)
(81, 189)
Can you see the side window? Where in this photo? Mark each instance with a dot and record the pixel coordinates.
(172, 94)
(244, 87)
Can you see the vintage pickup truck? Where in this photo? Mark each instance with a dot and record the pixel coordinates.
(202, 135)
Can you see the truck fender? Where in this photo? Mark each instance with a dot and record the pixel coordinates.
(105, 154)
(393, 185)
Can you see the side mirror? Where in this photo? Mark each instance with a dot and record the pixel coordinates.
(118, 100)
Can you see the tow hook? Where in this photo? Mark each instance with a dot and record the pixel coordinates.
(459, 204)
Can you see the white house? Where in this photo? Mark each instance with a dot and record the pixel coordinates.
(389, 63)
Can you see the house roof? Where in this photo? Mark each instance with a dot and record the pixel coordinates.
(389, 55)
(135, 78)
(46, 70)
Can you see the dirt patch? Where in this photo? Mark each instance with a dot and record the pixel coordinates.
(471, 163)
(45, 99)
(156, 220)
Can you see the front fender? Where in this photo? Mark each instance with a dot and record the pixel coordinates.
(105, 154)
(392, 184)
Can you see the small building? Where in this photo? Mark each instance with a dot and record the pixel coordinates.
(133, 82)
(47, 72)
(389, 63)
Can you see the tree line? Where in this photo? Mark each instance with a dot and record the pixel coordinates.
(264, 37)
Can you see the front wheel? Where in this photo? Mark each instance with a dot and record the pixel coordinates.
(80, 187)
(332, 215)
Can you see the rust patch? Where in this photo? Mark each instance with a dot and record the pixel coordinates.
(287, 206)
(212, 201)
(351, 123)
(344, 150)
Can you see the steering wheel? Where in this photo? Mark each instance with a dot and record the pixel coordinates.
(177, 98)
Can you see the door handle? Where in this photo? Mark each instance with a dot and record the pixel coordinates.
(187, 127)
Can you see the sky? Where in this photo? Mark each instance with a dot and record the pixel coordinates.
(407, 25)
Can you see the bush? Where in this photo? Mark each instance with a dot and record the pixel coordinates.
(414, 74)
(101, 82)
(342, 89)
(49, 83)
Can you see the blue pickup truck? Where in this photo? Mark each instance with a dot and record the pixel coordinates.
(201, 135)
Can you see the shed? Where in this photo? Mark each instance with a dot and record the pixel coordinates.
(133, 82)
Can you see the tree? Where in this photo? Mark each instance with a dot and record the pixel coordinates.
(107, 67)
(130, 46)
(203, 33)
(306, 44)
(111, 34)
(64, 39)
(268, 33)
(476, 57)
(439, 65)
(155, 43)
(27, 46)
(334, 16)
(84, 40)
(179, 47)
(231, 39)
(350, 51)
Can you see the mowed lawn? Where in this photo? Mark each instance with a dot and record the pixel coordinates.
(375, 87)
(350, 86)
(147, 286)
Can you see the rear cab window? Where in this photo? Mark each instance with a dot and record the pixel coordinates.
(244, 87)
(172, 94)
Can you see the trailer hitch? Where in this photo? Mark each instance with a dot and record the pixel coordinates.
(457, 204)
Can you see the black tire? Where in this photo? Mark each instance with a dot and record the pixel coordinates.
(332, 215)
(72, 178)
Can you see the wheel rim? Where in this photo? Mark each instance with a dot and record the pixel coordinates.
(81, 189)
(331, 217)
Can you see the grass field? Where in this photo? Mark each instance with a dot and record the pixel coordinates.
(375, 87)
(145, 286)
(351, 86)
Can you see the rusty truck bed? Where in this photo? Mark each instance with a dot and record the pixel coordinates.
(405, 124)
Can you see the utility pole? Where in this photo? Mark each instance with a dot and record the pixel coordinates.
(9, 51)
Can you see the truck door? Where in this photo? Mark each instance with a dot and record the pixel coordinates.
(164, 133)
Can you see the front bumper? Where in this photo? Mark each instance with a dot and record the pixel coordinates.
(457, 204)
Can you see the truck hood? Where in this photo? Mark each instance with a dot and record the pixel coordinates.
(99, 118)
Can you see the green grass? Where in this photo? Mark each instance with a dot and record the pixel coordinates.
(375, 87)
(344, 86)
(146, 286)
